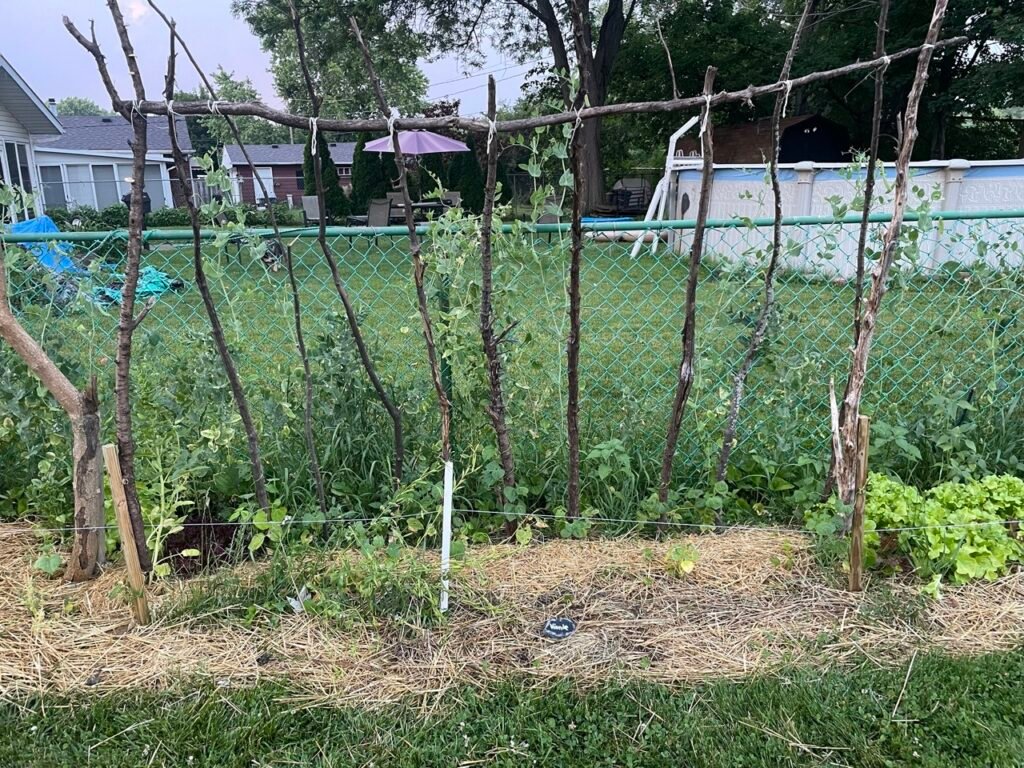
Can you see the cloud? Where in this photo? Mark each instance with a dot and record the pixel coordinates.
(137, 9)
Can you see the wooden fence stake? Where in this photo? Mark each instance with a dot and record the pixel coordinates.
(857, 528)
(136, 579)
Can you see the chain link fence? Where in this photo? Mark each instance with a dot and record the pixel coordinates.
(952, 321)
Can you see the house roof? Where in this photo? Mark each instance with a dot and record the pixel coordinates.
(22, 102)
(342, 153)
(111, 133)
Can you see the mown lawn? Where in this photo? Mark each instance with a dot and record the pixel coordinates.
(946, 712)
(943, 326)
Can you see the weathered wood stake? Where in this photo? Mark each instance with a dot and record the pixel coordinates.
(136, 579)
(857, 528)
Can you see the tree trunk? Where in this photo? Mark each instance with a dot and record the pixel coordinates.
(87, 552)
(845, 435)
(216, 329)
(684, 381)
(492, 341)
(593, 168)
(83, 415)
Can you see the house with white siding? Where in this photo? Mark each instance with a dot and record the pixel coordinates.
(90, 163)
(24, 119)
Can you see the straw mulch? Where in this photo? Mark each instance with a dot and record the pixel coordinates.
(754, 602)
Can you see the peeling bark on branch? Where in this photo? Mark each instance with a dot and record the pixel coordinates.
(862, 239)
(846, 470)
(689, 333)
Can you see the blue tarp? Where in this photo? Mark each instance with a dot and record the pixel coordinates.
(55, 256)
(152, 284)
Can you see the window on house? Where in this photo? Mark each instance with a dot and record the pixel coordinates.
(344, 170)
(300, 180)
(107, 191)
(51, 182)
(18, 166)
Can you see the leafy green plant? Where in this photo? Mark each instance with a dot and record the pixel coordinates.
(681, 559)
(956, 531)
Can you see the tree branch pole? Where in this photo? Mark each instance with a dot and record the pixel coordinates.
(419, 266)
(519, 125)
(127, 321)
(579, 10)
(689, 334)
(82, 410)
(300, 341)
(492, 352)
(846, 469)
(862, 238)
(768, 304)
(398, 460)
(216, 329)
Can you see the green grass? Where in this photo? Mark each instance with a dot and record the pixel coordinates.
(952, 712)
(632, 315)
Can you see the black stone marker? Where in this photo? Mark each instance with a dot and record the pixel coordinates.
(558, 629)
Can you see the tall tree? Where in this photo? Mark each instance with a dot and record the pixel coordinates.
(254, 130)
(334, 196)
(371, 174)
(334, 61)
(80, 106)
(979, 79)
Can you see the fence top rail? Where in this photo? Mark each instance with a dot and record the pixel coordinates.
(591, 226)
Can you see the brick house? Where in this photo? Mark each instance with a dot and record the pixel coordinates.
(280, 168)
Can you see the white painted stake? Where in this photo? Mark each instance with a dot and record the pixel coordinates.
(446, 531)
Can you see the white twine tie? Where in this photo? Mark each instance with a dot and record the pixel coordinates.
(707, 114)
(391, 124)
(312, 131)
(785, 99)
(492, 131)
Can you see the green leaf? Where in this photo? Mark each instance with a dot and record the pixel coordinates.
(256, 542)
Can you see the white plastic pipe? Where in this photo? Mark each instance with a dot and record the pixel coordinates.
(446, 531)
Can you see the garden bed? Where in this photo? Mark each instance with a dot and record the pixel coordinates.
(755, 602)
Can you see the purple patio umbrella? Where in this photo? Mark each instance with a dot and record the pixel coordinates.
(417, 143)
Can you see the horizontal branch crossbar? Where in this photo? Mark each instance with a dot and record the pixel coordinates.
(479, 124)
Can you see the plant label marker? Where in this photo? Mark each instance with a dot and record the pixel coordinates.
(446, 531)
(136, 580)
(558, 629)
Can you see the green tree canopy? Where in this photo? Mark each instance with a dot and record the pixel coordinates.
(79, 105)
(978, 80)
(336, 63)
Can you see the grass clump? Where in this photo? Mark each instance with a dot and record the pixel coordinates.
(941, 712)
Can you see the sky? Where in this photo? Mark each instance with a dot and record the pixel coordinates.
(54, 65)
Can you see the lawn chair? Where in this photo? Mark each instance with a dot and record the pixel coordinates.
(397, 200)
(310, 210)
(378, 214)
(452, 199)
